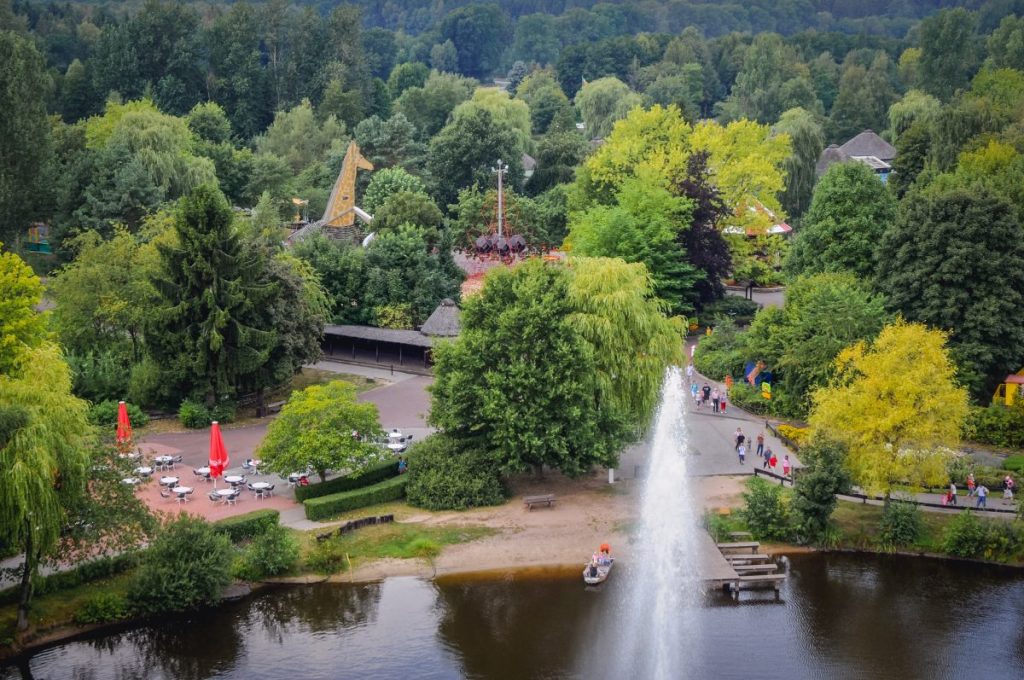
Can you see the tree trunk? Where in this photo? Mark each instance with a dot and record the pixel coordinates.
(538, 470)
(261, 409)
(323, 475)
(26, 583)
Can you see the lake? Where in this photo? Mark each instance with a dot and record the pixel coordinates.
(839, 616)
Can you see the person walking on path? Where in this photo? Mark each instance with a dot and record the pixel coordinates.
(952, 493)
(785, 465)
(689, 372)
(714, 400)
(694, 391)
(760, 444)
(769, 459)
(721, 403)
(740, 438)
(742, 451)
(970, 484)
(706, 391)
(1008, 488)
(982, 495)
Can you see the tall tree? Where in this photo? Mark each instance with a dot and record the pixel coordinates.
(949, 51)
(201, 334)
(849, 212)
(865, 95)
(465, 151)
(479, 33)
(428, 107)
(25, 151)
(806, 139)
(705, 248)
(602, 102)
(896, 406)
(954, 260)
(519, 383)
(43, 428)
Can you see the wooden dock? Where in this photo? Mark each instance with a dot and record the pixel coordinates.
(737, 566)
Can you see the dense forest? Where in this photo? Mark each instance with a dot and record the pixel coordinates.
(115, 111)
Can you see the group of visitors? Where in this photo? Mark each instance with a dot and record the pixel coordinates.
(706, 395)
(979, 491)
(769, 461)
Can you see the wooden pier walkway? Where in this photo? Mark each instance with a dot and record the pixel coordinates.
(737, 566)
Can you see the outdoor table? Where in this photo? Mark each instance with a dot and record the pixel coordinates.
(183, 492)
(131, 480)
(144, 471)
(260, 486)
(168, 481)
(397, 447)
(233, 479)
(225, 492)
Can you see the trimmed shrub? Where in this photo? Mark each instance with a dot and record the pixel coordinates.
(900, 526)
(187, 566)
(194, 415)
(368, 477)
(444, 476)
(271, 553)
(250, 525)
(766, 512)
(965, 536)
(797, 436)
(104, 414)
(335, 504)
(102, 608)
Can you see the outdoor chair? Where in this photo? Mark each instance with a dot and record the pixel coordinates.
(174, 461)
(213, 496)
(269, 491)
(165, 493)
(233, 498)
(249, 486)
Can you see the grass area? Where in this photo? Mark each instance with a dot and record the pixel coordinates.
(859, 527)
(307, 377)
(396, 541)
(58, 608)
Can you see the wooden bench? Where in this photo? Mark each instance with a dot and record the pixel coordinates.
(745, 569)
(530, 501)
(752, 545)
(746, 559)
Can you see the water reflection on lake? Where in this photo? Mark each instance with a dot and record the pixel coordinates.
(840, 616)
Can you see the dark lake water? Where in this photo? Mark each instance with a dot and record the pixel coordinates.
(839, 616)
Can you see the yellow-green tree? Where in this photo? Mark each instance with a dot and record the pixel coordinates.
(897, 407)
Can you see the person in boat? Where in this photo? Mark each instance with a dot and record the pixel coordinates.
(592, 569)
(605, 554)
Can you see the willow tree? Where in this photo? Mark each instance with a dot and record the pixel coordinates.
(616, 311)
(43, 429)
(896, 406)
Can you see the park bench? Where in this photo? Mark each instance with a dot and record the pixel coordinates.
(530, 501)
(744, 545)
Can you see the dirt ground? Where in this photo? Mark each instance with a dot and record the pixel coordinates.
(587, 513)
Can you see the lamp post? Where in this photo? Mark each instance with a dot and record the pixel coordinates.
(500, 171)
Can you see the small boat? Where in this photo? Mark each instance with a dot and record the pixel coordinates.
(595, 574)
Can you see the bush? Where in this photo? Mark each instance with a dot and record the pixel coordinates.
(104, 414)
(720, 354)
(766, 511)
(1015, 464)
(101, 608)
(99, 376)
(188, 565)
(146, 385)
(749, 398)
(965, 536)
(797, 436)
(368, 477)
(250, 525)
(335, 504)
(271, 553)
(997, 425)
(194, 415)
(814, 498)
(444, 476)
(900, 526)
(224, 412)
(736, 309)
(720, 526)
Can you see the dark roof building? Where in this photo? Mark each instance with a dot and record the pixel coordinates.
(444, 321)
(868, 143)
(408, 348)
(830, 156)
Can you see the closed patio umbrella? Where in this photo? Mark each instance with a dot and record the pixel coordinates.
(124, 425)
(218, 453)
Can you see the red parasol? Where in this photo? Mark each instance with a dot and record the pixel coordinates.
(218, 452)
(124, 425)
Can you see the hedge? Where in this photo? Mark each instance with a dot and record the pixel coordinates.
(335, 504)
(93, 570)
(368, 477)
(247, 526)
